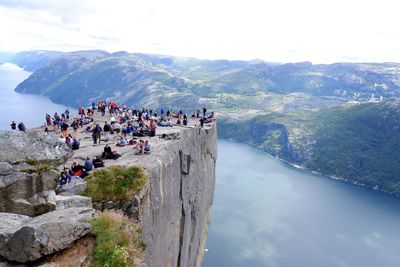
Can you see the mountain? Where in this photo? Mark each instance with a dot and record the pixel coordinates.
(158, 80)
(359, 143)
(30, 60)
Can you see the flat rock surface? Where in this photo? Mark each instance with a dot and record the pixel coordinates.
(10, 220)
(16, 146)
(66, 202)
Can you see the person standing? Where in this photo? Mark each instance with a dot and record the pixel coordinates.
(107, 130)
(96, 133)
(153, 127)
(67, 113)
(204, 112)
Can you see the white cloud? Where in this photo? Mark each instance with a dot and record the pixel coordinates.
(285, 30)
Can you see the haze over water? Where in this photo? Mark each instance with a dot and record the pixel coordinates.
(30, 109)
(267, 213)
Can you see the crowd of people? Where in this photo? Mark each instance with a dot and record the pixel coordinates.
(126, 125)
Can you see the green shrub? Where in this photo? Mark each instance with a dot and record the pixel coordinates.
(115, 183)
(118, 242)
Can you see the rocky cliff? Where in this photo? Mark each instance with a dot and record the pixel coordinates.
(176, 206)
(173, 208)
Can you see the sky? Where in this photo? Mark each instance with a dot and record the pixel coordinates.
(321, 31)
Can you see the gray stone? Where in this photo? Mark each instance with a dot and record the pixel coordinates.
(45, 234)
(5, 168)
(175, 207)
(65, 202)
(9, 220)
(44, 201)
(75, 187)
(27, 193)
(17, 147)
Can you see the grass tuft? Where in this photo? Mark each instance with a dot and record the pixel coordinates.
(115, 183)
(118, 242)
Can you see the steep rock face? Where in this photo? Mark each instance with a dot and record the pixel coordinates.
(27, 180)
(175, 208)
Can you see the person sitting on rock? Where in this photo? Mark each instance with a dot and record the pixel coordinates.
(139, 148)
(78, 170)
(65, 177)
(97, 162)
(68, 140)
(107, 153)
(75, 143)
(21, 127)
(88, 166)
(147, 147)
(122, 142)
(13, 125)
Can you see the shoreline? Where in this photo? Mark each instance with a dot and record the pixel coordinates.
(341, 179)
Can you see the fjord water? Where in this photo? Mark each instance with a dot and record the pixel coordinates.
(30, 109)
(268, 213)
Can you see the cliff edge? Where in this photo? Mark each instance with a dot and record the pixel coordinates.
(173, 208)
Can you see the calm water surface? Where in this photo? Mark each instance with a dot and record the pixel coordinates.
(30, 109)
(267, 213)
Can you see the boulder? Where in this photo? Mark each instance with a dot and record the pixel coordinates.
(28, 193)
(66, 202)
(17, 147)
(79, 254)
(44, 201)
(45, 234)
(75, 187)
(27, 175)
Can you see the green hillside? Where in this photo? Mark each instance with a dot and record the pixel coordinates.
(359, 143)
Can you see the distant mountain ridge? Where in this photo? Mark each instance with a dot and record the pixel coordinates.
(220, 84)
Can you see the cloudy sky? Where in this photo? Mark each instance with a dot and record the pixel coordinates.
(320, 31)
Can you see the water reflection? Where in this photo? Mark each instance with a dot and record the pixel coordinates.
(267, 213)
